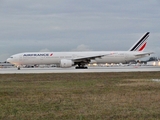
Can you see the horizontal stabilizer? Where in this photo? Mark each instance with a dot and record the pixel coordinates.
(144, 53)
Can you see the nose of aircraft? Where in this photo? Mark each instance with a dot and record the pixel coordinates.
(9, 60)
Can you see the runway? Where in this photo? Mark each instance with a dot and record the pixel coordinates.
(73, 70)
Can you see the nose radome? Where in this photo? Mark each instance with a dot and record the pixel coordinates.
(9, 59)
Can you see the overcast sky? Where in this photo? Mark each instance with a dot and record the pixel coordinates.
(77, 25)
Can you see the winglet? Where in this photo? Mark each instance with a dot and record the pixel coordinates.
(141, 43)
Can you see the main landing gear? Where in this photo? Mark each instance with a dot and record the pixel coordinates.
(81, 66)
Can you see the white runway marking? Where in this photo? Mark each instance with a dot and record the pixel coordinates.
(73, 70)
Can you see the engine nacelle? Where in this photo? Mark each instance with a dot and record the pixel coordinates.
(64, 63)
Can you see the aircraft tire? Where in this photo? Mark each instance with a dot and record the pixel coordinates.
(81, 67)
(18, 68)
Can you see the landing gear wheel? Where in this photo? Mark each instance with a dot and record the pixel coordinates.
(18, 68)
(81, 67)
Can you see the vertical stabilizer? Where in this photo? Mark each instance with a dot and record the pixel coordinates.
(140, 44)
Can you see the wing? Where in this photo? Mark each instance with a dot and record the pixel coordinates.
(87, 58)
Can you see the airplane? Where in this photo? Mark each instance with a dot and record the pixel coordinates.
(81, 59)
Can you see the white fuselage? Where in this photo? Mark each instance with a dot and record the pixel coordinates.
(40, 58)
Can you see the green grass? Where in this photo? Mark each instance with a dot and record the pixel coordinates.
(80, 96)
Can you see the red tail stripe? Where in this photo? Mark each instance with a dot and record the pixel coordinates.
(143, 47)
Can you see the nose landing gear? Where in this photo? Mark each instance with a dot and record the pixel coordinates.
(18, 67)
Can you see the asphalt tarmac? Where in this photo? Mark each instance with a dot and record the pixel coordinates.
(73, 70)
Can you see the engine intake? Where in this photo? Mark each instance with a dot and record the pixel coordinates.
(64, 63)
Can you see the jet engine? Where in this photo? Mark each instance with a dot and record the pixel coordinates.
(64, 63)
